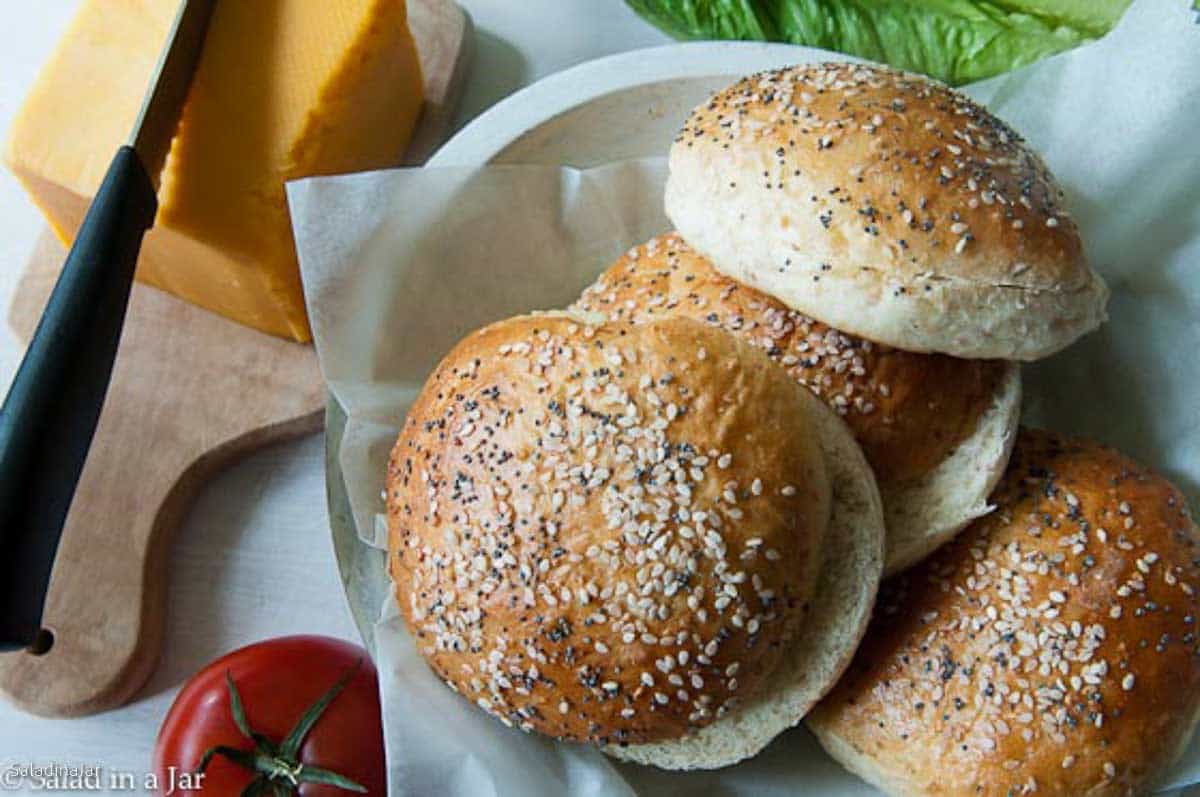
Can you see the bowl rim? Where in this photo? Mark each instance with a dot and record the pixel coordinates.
(487, 135)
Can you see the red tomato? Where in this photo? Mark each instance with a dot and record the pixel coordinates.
(278, 681)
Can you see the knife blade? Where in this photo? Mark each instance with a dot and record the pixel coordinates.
(50, 413)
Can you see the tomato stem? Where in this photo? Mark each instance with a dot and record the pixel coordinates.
(278, 766)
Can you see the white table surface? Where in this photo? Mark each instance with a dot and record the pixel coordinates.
(254, 559)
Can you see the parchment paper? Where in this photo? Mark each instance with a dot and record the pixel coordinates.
(399, 264)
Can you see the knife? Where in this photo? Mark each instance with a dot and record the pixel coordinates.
(50, 413)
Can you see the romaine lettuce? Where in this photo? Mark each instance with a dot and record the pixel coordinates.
(954, 40)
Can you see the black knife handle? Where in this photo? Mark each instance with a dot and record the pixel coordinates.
(50, 414)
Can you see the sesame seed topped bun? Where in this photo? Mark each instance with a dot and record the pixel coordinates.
(888, 206)
(936, 429)
(614, 533)
(1051, 648)
(825, 644)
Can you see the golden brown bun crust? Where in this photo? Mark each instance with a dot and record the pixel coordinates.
(1051, 645)
(605, 533)
(887, 205)
(908, 411)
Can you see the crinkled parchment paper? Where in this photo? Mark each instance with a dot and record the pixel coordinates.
(398, 265)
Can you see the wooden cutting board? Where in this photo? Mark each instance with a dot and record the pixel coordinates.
(191, 393)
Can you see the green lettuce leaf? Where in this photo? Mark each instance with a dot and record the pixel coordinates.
(957, 41)
(710, 19)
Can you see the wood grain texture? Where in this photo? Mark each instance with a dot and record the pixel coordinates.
(191, 393)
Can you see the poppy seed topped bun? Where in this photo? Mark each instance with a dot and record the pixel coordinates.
(888, 206)
(1051, 648)
(616, 533)
(937, 430)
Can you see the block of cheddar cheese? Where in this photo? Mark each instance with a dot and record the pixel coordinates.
(285, 89)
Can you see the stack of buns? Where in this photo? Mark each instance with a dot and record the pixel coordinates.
(936, 429)
(658, 520)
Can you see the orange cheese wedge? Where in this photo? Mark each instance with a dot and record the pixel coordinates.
(285, 89)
